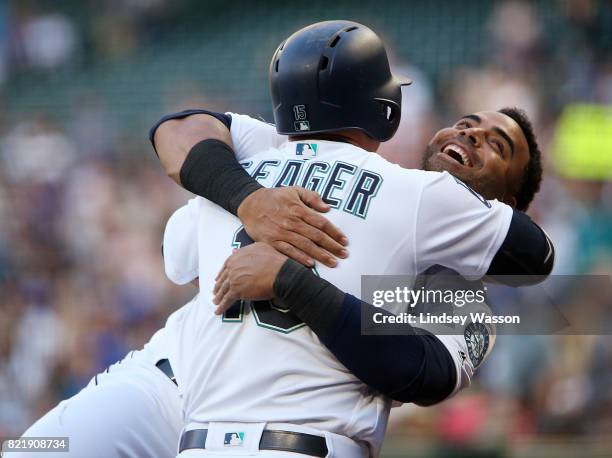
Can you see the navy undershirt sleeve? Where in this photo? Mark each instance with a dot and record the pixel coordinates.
(526, 253)
(408, 368)
(223, 117)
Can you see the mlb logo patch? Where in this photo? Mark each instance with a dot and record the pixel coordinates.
(301, 126)
(306, 150)
(233, 439)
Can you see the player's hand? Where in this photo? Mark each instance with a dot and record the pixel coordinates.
(288, 219)
(249, 273)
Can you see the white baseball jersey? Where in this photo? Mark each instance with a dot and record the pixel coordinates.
(258, 364)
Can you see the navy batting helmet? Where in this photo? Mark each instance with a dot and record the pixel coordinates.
(335, 75)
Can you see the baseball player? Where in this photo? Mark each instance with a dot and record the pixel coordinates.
(131, 409)
(293, 395)
(113, 433)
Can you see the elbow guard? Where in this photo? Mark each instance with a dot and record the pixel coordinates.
(211, 170)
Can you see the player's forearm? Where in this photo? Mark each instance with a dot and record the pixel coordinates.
(407, 368)
(211, 170)
(196, 152)
(175, 138)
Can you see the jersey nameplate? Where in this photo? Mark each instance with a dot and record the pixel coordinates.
(331, 181)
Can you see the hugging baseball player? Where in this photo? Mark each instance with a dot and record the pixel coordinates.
(259, 370)
(258, 380)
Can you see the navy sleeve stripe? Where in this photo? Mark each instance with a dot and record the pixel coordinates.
(223, 117)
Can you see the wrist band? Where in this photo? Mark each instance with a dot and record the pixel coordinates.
(211, 170)
(311, 298)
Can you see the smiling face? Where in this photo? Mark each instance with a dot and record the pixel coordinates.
(486, 150)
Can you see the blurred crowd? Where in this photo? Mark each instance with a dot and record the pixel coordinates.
(80, 266)
(81, 276)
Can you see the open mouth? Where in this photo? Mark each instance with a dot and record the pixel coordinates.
(458, 153)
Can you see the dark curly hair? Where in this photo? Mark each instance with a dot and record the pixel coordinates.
(532, 175)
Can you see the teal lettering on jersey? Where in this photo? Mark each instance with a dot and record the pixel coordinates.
(290, 174)
(261, 172)
(365, 189)
(315, 176)
(336, 183)
(329, 180)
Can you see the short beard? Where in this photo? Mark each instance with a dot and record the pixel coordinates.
(481, 184)
(425, 165)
